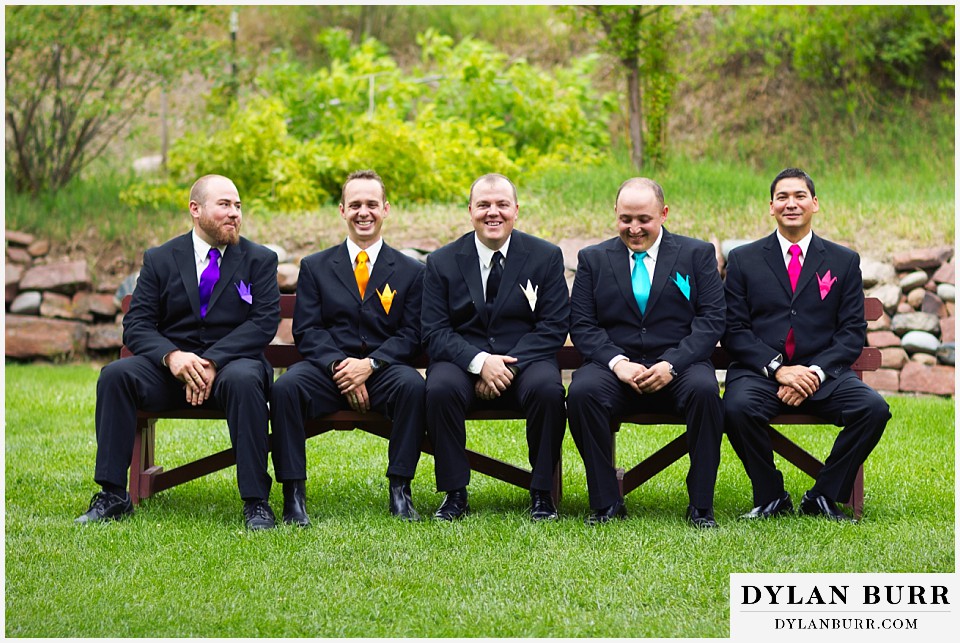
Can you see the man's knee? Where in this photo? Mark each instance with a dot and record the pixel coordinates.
(244, 377)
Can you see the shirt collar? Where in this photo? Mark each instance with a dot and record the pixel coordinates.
(486, 254)
(201, 248)
(653, 250)
(372, 252)
(785, 245)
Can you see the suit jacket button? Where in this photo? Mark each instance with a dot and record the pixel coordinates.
(643, 330)
(793, 312)
(493, 340)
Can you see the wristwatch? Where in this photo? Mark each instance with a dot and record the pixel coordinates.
(770, 370)
(376, 364)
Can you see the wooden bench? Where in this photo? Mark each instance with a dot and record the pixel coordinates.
(147, 478)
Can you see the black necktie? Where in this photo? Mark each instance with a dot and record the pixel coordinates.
(493, 279)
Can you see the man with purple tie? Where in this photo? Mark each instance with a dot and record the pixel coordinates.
(795, 325)
(205, 306)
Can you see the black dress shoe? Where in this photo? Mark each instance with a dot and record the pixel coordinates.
(106, 506)
(401, 504)
(701, 518)
(258, 515)
(295, 503)
(819, 505)
(454, 506)
(616, 510)
(779, 507)
(541, 506)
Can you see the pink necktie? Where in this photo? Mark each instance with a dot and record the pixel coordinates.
(793, 271)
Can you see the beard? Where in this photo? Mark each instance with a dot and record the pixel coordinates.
(219, 232)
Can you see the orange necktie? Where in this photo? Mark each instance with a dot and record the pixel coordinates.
(362, 273)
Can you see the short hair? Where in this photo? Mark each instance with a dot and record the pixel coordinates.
(198, 192)
(369, 175)
(491, 178)
(640, 181)
(793, 173)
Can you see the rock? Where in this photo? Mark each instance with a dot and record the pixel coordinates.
(721, 261)
(903, 308)
(102, 305)
(947, 292)
(882, 339)
(570, 249)
(948, 329)
(127, 286)
(284, 332)
(282, 255)
(65, 277)
(413, 253)
(287, 277)
(148, 164)
(888, 294)
(933, 305)
(883, 323)
(39, 248)
(905, 322)
(947, 353)
(729, 244)
(27, 303)
(915, 297)
(893, 358)
(104, 337)
(13, 274)
(917, 378)
(951, 308)
(54, 304)
(922, 258)
(917, 341)
(18, 255)
(31, 337)
(923, 358)
(931, 286)
(877, 272)
(15, 238)
(885, 379)
(945, 273)
(913, 280)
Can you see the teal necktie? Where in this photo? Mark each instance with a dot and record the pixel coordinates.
(641, 281)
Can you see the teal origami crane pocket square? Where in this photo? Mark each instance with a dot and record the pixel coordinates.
(683, 283)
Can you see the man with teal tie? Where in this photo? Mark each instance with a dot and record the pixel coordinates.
(647, 310)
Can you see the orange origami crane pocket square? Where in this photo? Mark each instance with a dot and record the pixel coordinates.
(386, 297)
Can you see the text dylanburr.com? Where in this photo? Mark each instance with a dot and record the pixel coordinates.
(844, 607)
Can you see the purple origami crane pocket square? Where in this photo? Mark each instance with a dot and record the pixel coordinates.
(826, 283)
(244, 290)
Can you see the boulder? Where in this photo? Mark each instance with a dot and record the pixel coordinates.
(419, 255)
(947, 354)
(15, 238)
(18, 255)
(39, 248)
(27, 303)
(103, 337)
(65, 277)
(924, 358)
(905, 322)
(945, 273)
(882, 323)
(947, 292)
(915, 297)
(287, 277)
(888, 294)
(13, 274)
(99, 304)
(877, 272)
(30, 337)
(284, 332)
(894, 357)
(282, 255)
(54, 304)
(885, 379)
(912, 280)
(922, 258)
(937, 380)
(127, 286)
(948, 329)
(917, 341)
(882, 339)
(933, 305)
(729, 244)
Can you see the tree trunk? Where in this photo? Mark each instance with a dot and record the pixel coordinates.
(636, 113)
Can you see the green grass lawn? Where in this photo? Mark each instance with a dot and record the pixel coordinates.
(184, 566)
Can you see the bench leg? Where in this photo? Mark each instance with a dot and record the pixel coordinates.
(856, 496)
(142, 467)
(557, 491)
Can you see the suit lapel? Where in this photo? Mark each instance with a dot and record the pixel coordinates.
(343, 269)
(469, 263)
(185, 259)
(816, 256)
(777, 264)
(232, 258)
(666, 260)
(619, 256)
(516, 259)
(382, 270)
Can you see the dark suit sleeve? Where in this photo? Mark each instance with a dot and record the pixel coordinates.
(260, 327)
(312, 338)
(405, 345)
(444, 344)
(553, 317)
(708, 323)
(850, 335)
(140, 324)
(591, 339)
(739, 338)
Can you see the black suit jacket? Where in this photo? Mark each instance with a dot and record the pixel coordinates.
(678, 327)
(164, 311)
(828, 324)
(331, 323)
(457, 323)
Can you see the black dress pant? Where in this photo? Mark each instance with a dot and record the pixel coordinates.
(596, 395)
(306, 391)
(536, 392)
(240, 389)
(750, 401)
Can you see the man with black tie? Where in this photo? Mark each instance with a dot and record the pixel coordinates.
(205, 306)
(357, 325)
(495, 312)
(647, 311)
(795, 326)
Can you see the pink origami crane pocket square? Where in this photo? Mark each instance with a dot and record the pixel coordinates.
(826, 283)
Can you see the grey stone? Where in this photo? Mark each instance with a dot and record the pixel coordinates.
(64, 277)
(888, 294)
(905, 322)
(29, 337)
(287, 276)
(947, 292)
(917, 341)
(729, 244)
(126, 286)
(282, 255)
(413, 253)
(946, 354)
(877, 272)
(27, 303)
(912, 280)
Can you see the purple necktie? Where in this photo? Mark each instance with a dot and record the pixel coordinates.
(793, 271)
(209, 279)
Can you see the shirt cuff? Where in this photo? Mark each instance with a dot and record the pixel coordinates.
(819, 371)
(618, 358)
(477, 362)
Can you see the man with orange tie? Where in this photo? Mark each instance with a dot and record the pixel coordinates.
(357, 325)
(795, 326)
